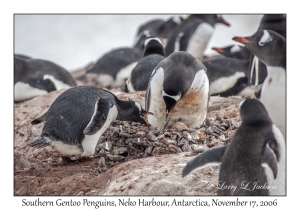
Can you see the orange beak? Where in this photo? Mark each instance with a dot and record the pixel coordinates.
(147, 123)
(224, 22)
(241, 40)
(219, 50)
(145, 113)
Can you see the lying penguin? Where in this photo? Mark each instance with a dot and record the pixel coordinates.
(114, 68)
(228, 77)
(79, 116)
(270, 48)
(178, 90)
(154, 53)
(35, 77)
(254, 162)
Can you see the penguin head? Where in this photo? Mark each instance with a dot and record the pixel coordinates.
(153, 45)
(139, 44)
(253, 112)
(132, 111)
(171, 99)
(265, 43)
(212, 19)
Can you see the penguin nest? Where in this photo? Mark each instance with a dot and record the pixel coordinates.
(124, 141)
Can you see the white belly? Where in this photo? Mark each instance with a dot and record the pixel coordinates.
(274, 98)
(199, 40)
(24, 91)
(123, 74)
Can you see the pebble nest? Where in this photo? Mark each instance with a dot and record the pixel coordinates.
(124, 141)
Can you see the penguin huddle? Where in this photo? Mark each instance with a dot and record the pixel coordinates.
(178, 84)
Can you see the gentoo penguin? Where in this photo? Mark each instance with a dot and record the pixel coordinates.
(193, 34)
(154, 53)
(270, 48)
(254, 162)
(79, 116)
(178, 90)
(160, 28)
(274, 22)
(234, 51)
(228, 76)
(114, 68)
(34, 77)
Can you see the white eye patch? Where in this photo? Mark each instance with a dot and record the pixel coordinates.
(241, 103)
(266, 37)
(138, 106)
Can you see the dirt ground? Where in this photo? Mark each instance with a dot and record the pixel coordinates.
(125, 165)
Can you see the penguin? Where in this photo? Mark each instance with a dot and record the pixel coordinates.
(193, 34)
(228, 77)
(160, 28)
(274, 22)
(178, 90)
(254, 162)
(35, 77)
(234, 51)
(270, 48)
(154, 53)
(79, 116)
(114, 68)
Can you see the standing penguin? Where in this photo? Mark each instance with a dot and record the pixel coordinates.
(254, 162)
(154, 53)
(270, 48)
(179, 90)
(193, 34)
(234, 51)
(79, 116)
(274, 22)
(114, 68)
(34, 77)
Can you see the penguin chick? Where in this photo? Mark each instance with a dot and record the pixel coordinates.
(254, 162)
(79, 116)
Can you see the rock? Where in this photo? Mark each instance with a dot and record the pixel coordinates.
(197, 148)
(120, 150)
(115, 157)
(179, 126)
(187, 136)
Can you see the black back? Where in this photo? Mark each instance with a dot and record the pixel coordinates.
(112, 62)
(71, 112)
(241, 163)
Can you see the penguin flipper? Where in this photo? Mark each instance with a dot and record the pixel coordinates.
(210, 157)
(101, 112)
(39, 119)
(270, 159)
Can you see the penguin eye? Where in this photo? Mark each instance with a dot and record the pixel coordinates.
(261, 43)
